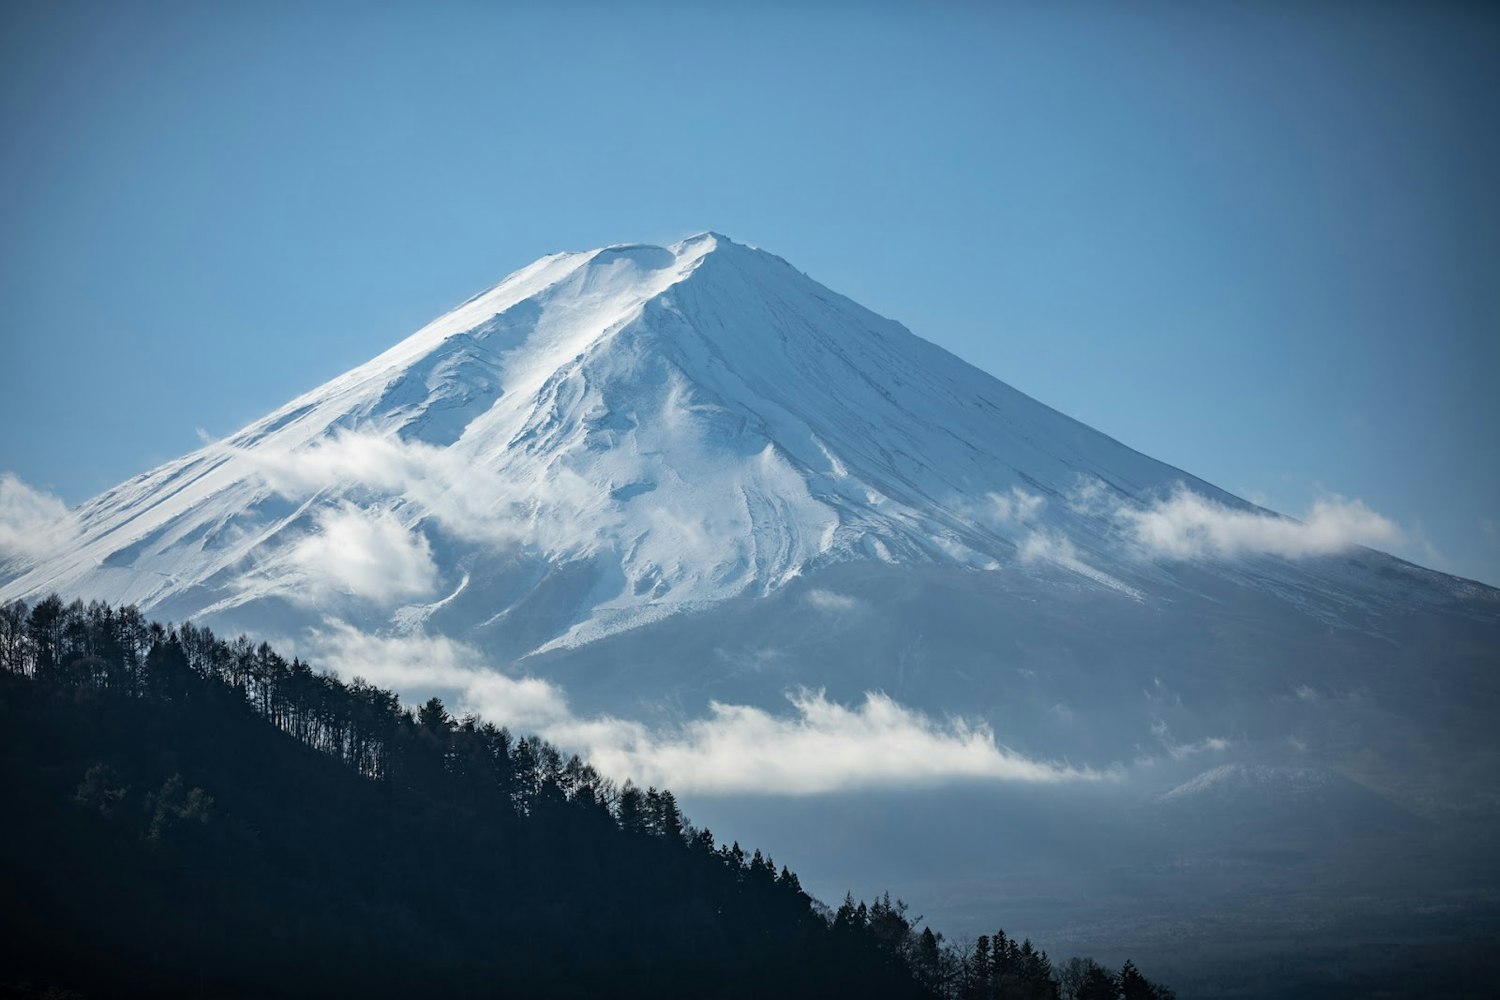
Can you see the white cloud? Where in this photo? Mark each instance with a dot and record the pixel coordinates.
(438, 664)
(469, 500)
(821, 746)
(1177, 751)
(1049, 547)
(1091, 496)
(1181, 750)
(33, 522)
(1046, 546)
(1189, 526)
(1015, 507)
(832, 601)
(366, 553)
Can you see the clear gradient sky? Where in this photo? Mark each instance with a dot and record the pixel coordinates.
(1261, 243)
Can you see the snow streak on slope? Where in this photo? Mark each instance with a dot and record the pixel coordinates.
(607, 438)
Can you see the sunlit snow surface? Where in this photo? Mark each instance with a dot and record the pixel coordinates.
(605, 439)
(636, 430)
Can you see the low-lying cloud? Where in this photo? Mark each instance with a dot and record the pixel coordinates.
(365, 553)
(438, 663)
(1189, 526)
(470, 500)
(1180, 751)
(1015, 507)
(832, 602)
(819, 746)
(822, 746)
(1184, 525)
(33, 522)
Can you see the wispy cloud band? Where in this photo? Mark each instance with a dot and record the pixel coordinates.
(1189, 526)
(820, 746)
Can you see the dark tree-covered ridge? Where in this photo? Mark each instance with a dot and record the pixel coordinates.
(195, 816)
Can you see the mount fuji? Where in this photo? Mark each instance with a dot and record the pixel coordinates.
(608, 438)
(689, 479)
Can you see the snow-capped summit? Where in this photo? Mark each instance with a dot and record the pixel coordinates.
(609, 437)
(634, 429)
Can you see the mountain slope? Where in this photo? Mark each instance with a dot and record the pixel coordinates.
(607, 438)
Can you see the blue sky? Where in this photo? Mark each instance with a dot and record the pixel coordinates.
(1260, 243)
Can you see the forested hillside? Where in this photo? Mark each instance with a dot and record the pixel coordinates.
(190, 816)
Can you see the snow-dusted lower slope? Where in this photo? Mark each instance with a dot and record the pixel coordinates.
(606, 438)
